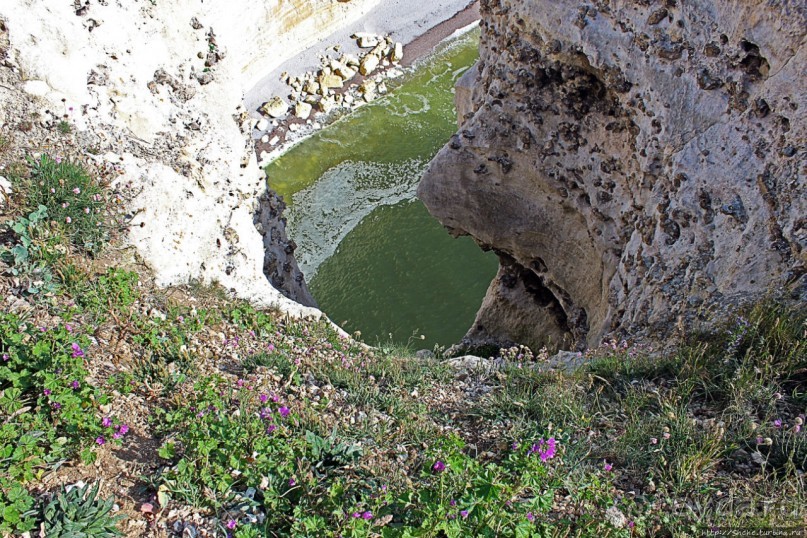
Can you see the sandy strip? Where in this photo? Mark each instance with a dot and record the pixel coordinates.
(418, 24)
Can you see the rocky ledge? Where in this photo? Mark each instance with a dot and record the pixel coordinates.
(638, 167)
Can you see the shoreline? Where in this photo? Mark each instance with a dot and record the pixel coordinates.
(417, 47)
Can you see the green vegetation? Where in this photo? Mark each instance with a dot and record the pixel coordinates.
(78, 513)
(263, 426)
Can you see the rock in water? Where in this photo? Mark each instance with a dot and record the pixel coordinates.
(276, 107)
(279, 265)
(623, 195)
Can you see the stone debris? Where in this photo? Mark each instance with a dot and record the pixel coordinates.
(340, 83)
(276, 107)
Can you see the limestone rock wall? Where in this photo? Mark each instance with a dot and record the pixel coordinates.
(638, 165)
(157, 85)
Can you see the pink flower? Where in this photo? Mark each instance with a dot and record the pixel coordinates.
(271, 428)
(106, 422)
(284, 411)
(5, 357)
(263, 398)
(68, 220)
(86, 210)
(367, 515)
(100, 440)
(777, 423)
(292, 482)
(653, 441)
(607, 466)
(530, 517)
(58, 160)
(46, 392)
(666, 435)
(75, 384)
(464, 514)
(439, 466)
(77, 351)
(76, 191)
(232, 524)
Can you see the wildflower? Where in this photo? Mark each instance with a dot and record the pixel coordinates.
(76, 191)
(53, 191)
(292, 482)
(231, 524)
(284, 411)
(514, 446)
(270, 347)
(271, 428)
(75, 384)
(68, 220)
(68, 327)
(123, 429)
(86, 210)
(530, 517)
(367, 515)
(666, 435)
(43, 329)
(5, 357)
(106, 422)
(653, 441)
(100, 440)
(797, 428)
(453, 502)
(777, 423)
(439, 466)
(77, 351)
(760, 440)
(356, 515)
(265, 413)
(263, 398)
(631, 524)
(58, 160)
(56, 405)
(65, 205)
(464, 514)
(46, 392)
(607, 466)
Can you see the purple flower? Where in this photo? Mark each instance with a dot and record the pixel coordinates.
(464, 514)
(56, 405)
(68, 327)
(631, 524)
(439, 466)
(271, 428)
(453, 502)
(514, 446)
(760, 441)
(367, 515)
(292, 482)
(777, 423)
(5, 357)
(123, 429)
(284, 411)
(265, 413)
(100, 440)
(607, 466)
(46, 392)
(106, 422)
(231, 524)
(530, 517)
(77, 351)
(75, 384)
(263, 398)
(356, 515)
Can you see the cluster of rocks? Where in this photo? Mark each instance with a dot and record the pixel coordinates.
(345, 82)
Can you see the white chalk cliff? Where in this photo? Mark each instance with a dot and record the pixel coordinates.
(132, 73)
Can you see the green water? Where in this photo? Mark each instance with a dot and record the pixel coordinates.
(375, 260)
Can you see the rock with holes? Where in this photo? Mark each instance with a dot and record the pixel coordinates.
(638, 172)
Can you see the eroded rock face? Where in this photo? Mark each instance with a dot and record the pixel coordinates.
(639, 167)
